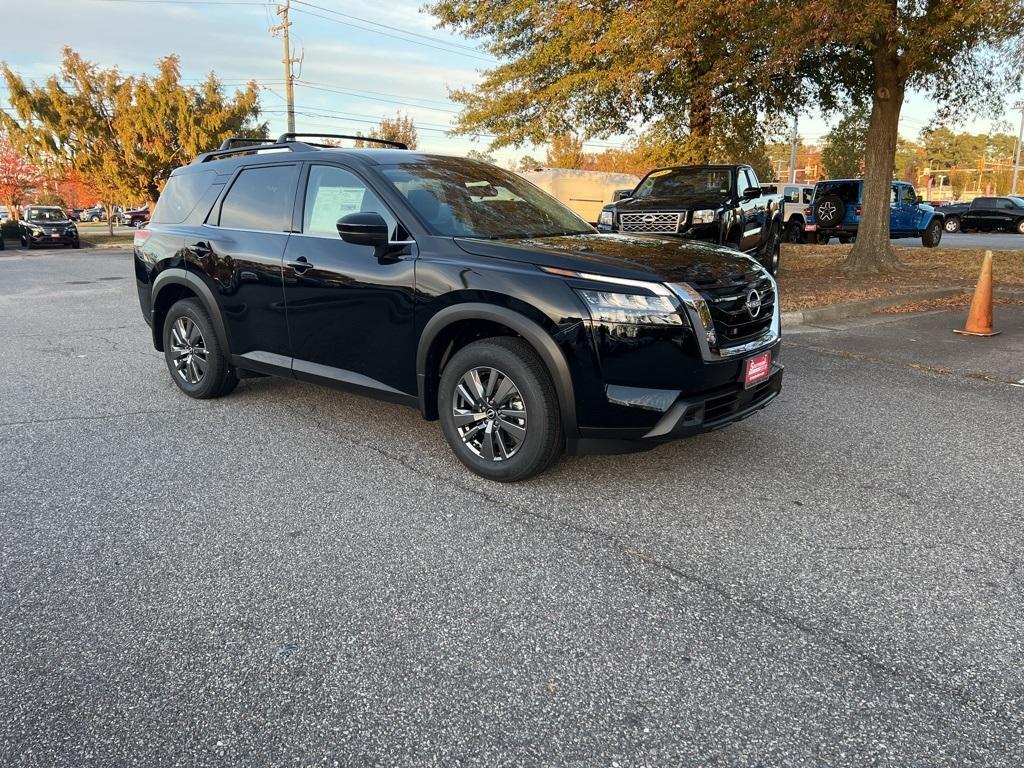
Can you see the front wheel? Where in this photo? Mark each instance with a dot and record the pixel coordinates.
(94, 219)
(794, 232)
(196, 362)
(1020, 227)
(932, 234)
(952, 224)
(773, 250)
(499, 410)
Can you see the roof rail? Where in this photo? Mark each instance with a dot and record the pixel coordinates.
(252, 149)
(243, 141)
(284, 138)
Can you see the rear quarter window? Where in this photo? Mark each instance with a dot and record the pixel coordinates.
(847, 191)
(180, 196)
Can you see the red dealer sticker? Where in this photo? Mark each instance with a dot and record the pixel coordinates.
(756, 369)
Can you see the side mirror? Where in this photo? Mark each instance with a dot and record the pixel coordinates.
(364, 229)
(621, 194)
(752, 193)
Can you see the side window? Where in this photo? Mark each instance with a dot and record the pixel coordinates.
(1005, 204)
(909, 195)
(985, 203)
(808, 195)
(741, 183)
(894, 195)
(180, 196)
(752, 178)
(333, 192)
(792, 194)
(260, 199)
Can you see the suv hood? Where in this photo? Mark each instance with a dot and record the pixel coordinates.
(616, 255)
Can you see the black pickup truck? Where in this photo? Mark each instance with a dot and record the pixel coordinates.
(722, 204)
(987, 214)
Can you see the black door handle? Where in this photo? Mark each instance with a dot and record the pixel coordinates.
(201, 249)
(300, 265)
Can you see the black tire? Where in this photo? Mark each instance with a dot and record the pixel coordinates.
(795, 231)
(829, 211)
(94, 219)
(218, 378)
(952, 224)
(512, 359)
(76, 244)
(822, 238)
(29, 244)
(1020, 227)
(773, 250)
(932, 234)
(847, 239)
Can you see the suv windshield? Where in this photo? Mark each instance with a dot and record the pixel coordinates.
(676, 182)
(464, 198)
(46, 214)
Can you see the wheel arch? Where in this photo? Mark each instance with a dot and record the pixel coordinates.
(174, 284)
(437, 337)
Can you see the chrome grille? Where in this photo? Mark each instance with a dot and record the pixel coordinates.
(663, 222)
(727, 301)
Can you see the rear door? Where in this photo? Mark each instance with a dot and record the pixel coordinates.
(752, 211)
(981, 213)
(242, 251)
(350, 310)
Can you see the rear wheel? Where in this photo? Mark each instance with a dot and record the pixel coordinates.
(196, 362)
(952, 224)
(822, 238)
(773, 250)
(795, 231)
(499, 411)
(1020, 227)
(932, 234)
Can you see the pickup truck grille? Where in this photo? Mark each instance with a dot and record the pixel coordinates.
(659, 223)
(727, 300)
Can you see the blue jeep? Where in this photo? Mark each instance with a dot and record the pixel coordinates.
(836, 206)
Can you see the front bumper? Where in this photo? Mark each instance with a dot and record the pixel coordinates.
(47, 238)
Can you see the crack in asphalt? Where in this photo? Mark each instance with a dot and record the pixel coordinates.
(961, 694)
(98, 417)
(863, 357)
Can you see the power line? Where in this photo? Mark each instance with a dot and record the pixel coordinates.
(396, 36)
(387, 26)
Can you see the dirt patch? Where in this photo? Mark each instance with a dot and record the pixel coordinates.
(810, 275)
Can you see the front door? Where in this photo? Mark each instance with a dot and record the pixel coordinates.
(350, 310)
(752, 210)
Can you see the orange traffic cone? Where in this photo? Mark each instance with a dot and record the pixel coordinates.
(979, 319)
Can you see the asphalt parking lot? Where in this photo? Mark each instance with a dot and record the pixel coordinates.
(296, 576)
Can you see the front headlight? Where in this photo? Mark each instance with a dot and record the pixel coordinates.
(606, 219)
(630, 308)
(703, 217)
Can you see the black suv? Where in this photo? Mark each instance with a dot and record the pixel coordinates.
(457, 288)
(47, 225)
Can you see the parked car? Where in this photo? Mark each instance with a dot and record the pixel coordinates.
(796, 198)
(457, 288)
(93, 214)
(721, 204)
(4, 215)
(74, 213)
(134, 217)
(835, 211)
(988, 214)
(47, 225)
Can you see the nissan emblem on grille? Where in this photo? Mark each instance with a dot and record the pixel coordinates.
(754, 303)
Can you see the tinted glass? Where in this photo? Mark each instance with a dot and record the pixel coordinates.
(1006, 203)
(792, 194)
(46, 214)
(464, 198)
(742, 183)
(331, 193)
(847, 191)
(675, 182)
(1018, 202)
(261, 199)
(808, 195)
(180, 196)
(985, 202)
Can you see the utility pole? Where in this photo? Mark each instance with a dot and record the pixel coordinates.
(289, 78)
(1020, 140)
(792, 153)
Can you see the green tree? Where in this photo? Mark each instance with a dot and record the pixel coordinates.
(124, 134)
(842, 156)
(703, 67)
(528, 163)
(566, 151)
(483, 157)
(398, 128)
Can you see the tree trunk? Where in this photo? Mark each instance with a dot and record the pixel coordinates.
(873, 250)
(699, 149)
(109, 209)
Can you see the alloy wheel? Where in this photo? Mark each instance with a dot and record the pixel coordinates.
(191, 356)
(489, 413)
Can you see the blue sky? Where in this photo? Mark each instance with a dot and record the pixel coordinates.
(359, 53)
